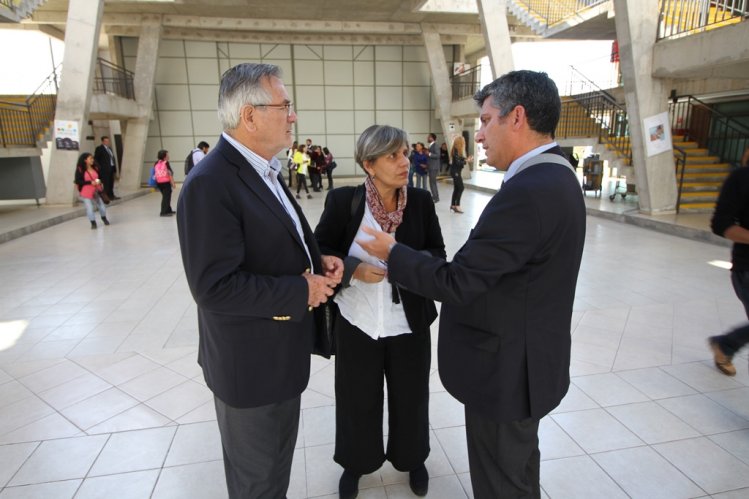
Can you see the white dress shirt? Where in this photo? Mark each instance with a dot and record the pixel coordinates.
(369, 306)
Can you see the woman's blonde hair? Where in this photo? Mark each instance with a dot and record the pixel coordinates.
(459, 145)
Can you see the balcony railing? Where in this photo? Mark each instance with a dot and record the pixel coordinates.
(24, 118)
(684, 17)
(466, 84)
(113, 80)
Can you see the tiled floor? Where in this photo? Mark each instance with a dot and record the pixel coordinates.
(101, 396)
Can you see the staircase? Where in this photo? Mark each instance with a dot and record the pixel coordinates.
(702, 179)
(541, 15)
(14, 11)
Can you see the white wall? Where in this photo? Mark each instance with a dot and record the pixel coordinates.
(338, 91)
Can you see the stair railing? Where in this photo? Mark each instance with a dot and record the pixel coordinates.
(21, 123)
(112, 79)
(721, 135)
(466, 84)
(554, 11)
(680, 164)
(682, 17)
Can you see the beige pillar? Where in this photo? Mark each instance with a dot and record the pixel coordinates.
(136, 129)
(74, 94)
(645, 96)
(493, 16)
(451, 127)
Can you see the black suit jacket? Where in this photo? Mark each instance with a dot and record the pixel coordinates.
(504, 342)
(243, 261)
(419, 230)
(104, 160)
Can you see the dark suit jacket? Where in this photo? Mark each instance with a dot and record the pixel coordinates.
(104, 160)
(504, 342)
(434, 155)
(419, 230)
(243, 261)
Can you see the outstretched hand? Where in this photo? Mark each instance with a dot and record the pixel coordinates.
(380, 244)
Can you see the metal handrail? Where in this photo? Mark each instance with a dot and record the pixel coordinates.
(112, 79)
(685, 17)
(680, 164)
(721, 135)
(22, 123)
(580, 84)
(466, 84)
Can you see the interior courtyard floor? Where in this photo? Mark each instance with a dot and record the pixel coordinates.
(101, 394)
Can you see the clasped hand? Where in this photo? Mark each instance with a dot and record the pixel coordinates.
(321, 287)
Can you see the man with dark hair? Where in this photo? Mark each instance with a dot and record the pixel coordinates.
(104, 157)
(507, 295)
(731, 220)
(196, 155)
(256, 274)
(434, 166)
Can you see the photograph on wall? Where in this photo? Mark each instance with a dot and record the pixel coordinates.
(67, 135)
(657, 134)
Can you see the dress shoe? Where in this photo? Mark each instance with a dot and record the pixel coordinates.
(348, 487)
(115, 197)
(722, 361)
(298, 196)
(309, 196)
(418, 479)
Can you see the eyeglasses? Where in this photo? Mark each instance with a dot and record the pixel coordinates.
(288, 107)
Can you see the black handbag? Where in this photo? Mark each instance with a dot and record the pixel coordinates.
(326, 314)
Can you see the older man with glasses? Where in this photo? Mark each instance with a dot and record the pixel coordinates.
(257, 276)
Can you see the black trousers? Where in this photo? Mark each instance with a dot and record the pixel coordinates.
(301, 181)
(457, 188)
(360, 364)
(258, 446)
(735, 339)
(503, 457)
(166, 197)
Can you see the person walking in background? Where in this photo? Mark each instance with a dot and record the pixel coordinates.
(164, 176)
(382, 330)
(317, 165)
(196, 155)
(290, 165)
(433, 168)
(504, 338)
(330, 165)
(420, 161)
(256, 274)
(457, 163)
(731, 220)
(89, 186)
(301, 160)
(444, 158)
(104, 157)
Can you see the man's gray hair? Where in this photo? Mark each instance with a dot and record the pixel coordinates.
(240, 86)
(379, 140)
(536, 92)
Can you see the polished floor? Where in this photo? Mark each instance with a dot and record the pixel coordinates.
(101, 395)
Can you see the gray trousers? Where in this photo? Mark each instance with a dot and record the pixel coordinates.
(258, 446)
(503, 457)
(433, 171)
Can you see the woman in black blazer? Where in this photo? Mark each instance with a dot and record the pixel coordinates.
(381, 329)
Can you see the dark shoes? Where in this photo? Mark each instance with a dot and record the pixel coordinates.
(93, 224)
(348, 486)
(309, 196)
(722, 361)
(104, 219)
(418, 479)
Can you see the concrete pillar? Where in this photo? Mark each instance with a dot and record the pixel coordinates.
(74, 94)
(493, 16)
(136, 129)
(645, 96)
(451, 127)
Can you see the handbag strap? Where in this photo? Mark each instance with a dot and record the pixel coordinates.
(356, 199)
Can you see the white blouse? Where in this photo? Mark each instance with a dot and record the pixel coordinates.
(369, 306)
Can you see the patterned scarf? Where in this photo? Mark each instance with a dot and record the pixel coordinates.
(388, 221)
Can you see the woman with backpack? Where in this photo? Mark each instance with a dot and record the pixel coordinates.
(164, 177)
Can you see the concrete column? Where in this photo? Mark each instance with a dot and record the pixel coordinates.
(74, 94)
(493, 16)
(451, 127)
(136, 130)
(645, 96)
